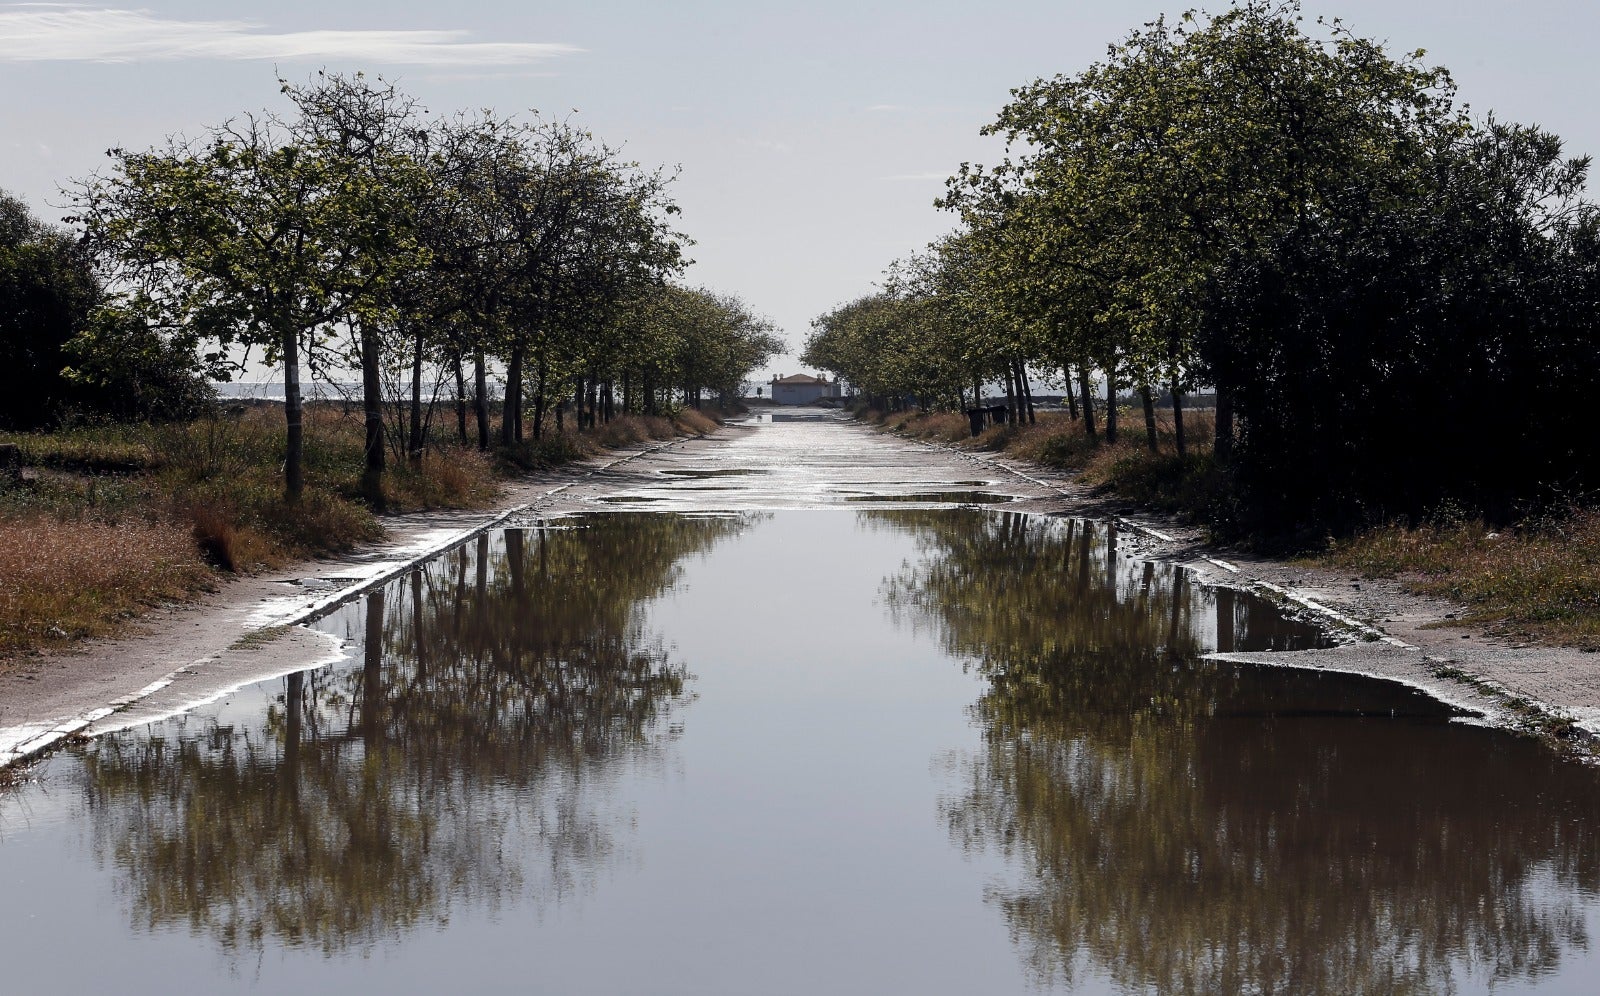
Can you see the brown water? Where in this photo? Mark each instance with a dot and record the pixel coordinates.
(915, 750)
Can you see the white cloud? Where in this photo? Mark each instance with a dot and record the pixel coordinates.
(74, 33)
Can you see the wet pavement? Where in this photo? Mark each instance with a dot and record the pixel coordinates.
(770, 739)
(814, 459)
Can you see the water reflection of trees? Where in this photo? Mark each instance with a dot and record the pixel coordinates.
(1191, 827)
(463, 761)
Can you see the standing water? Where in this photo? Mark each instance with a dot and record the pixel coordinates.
(862, 750)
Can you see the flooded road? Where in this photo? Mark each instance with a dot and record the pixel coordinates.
(769, 743)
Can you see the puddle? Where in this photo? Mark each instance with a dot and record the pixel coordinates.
(726, 472)
(931, 750)
(627, 499)
(940, 497)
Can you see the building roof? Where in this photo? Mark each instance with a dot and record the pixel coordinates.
(800, 379)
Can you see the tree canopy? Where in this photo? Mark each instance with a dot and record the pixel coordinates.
(1297, 218)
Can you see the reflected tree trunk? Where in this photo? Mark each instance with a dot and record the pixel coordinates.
(372, 671)
(1225, 620)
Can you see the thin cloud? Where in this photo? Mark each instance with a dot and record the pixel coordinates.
(73, 33)
(918, 177)
(884, 108)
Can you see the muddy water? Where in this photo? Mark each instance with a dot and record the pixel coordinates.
(854, 751)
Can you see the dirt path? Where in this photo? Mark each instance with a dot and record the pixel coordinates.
(252, 629)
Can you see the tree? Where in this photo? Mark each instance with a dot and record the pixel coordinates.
(47, 294)
(64, 351)
(258, 235)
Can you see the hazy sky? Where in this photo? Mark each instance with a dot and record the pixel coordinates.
(812, 136)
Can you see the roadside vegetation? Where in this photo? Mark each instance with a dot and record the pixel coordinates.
(1536, 580)
(1393, 302)
(485, 295)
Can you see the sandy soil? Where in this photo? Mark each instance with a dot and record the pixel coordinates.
(252, 628)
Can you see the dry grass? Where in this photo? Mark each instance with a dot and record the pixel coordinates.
(62, 580)
(627, 430)
(1541, 580)
(116, 518)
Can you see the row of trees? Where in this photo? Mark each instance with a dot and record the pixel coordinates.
(359, 232)
(1295, 216)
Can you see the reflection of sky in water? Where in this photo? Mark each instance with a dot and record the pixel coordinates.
(902, 750)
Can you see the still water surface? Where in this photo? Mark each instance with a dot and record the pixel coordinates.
(914, 750)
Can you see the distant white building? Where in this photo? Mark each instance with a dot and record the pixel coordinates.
(800, 389)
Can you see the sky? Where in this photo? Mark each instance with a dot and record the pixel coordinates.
(812, 137)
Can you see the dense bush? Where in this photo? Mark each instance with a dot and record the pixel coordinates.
(62, 355)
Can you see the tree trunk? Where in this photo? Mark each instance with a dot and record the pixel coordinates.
(1027, 391)
(594, 414)
(1072, 397)
(480, 401)
(1011, 395)
(1111, 401)
(461, 399)
(540, 402)
(294, 483)
(627, 393)
(1223, 448)
(414, 437)
(1149, 416)
(372, 403)
(1088, 401)
(577, 402)
(510, 429)
(1177, 420)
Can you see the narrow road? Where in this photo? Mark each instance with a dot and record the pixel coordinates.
(775, 459)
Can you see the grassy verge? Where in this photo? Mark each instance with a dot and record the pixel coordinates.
(112, 520)
(1539, 580)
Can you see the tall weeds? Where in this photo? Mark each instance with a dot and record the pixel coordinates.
(62, 580)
